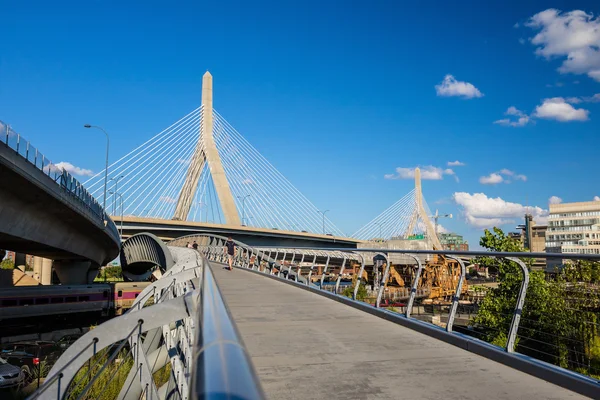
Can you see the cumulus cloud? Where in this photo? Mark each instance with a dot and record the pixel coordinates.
(485, 212)
(247, 181)
(596, 198)
(574, 35)
(558, 109)
(451, 87)
(167, 199)
(554, 200)
(429, 172)
(497, 177)
(584, 99)
(72, 169)
(456, 163)
(520, 118)
(442, 229)
(491, 179)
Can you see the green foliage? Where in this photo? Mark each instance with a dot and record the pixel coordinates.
(361, 295)
(559, 318)
(109, 382)
(7, 264)
(110, 274)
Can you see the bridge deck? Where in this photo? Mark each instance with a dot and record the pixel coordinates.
(305, 346)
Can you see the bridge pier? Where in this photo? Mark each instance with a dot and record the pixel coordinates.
(42, 270)
(75, 272)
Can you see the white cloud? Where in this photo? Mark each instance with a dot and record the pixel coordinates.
(596, 198)
(574, 35)
(558, 109)
(496, 177)
(183, 161)
(485, 212)
(492, 179)
(522, 119)
(521, 177)
(247, 181)
(554, 200)
(585, 99)
(456, 164)
(442, 229)
(451, 87)
(72, 169)
(429, 172)
(521, 40)
(167, 199)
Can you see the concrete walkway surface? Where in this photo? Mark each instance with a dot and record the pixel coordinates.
(305, 346)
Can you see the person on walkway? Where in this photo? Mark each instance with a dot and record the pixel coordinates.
(195, 245)
(188, 245)
(230, 249)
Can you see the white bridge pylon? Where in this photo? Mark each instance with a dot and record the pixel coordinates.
(408, 216)
(201, 169)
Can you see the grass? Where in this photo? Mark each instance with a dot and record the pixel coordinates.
(109, 382)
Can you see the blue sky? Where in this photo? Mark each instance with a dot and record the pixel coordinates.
(336, 95)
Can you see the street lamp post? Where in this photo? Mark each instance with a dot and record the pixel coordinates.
(106, 163)
(121, 204)
(323, 212)
(116, 190)
(243, 208)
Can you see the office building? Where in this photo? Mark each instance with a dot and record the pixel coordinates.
(574, 228)
(453, 241)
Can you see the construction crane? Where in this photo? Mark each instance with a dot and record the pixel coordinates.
(438, 216)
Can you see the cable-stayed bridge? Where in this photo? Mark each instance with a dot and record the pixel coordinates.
(201, 169)
(201, 173)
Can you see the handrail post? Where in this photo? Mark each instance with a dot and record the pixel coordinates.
(514, 325)
(463, 273)
(337, 283)
(359, 278)
(311, 269)
(283, 263)
(325, 271)
(413, 289)
(383, 283)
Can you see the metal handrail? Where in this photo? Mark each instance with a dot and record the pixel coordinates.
(222, 365)
(67, 183)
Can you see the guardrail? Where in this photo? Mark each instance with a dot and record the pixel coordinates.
(177, 341)
(506, 321)
(69, 185)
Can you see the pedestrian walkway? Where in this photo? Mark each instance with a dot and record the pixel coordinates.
(305, 346)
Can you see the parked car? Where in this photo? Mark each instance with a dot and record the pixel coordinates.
(28, 355)
(10, 375)
(66, 341)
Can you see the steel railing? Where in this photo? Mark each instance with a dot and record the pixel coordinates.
(456, 309)
(67, 183)
(179, 325)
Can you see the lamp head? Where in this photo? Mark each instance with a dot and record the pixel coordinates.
(87, 126)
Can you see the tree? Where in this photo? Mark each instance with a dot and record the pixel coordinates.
(7, 264)
(558, 324)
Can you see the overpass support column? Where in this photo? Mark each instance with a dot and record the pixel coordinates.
(42, 270)
(46, 271)
(73, 272)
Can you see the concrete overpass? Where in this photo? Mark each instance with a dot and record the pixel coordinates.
(172, 229)
(45, 212)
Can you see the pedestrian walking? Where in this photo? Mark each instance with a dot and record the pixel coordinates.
(230, 249)
(195, 245)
